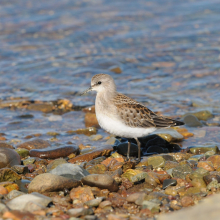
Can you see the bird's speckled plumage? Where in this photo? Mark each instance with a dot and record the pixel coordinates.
(121, 115)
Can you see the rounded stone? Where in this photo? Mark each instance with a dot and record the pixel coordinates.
(102, 181)
(34, 144)
(53, 153)
(156, 161)
(9, 158)
(192, 121)
(207, 165)
(7, 174)
(181, 171)
(215, 159)
(69, 170)
(22, 152)
(122, 149)
(81, 194)
(5, 145)
(169, 182)
(211, 177)
(48, 182)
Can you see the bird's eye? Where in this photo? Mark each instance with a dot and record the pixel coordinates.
(99, 82)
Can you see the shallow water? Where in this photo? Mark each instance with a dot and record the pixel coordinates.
(168, 52)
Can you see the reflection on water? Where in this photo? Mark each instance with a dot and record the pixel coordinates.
(168, 52)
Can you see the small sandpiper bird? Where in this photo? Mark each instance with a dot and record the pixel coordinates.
(123, 116)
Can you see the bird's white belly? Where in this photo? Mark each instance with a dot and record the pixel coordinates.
(116, 127)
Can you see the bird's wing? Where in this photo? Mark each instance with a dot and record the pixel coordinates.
(135, 114)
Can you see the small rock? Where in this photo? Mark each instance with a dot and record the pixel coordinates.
(34, 144)
(215, 159)
(72, 171)
(6, 145)
(102, 151)
(20, 169)
(201, 115)
(22, 152)
(81, 194)
(8, 175)
(97, 169)
(9, 158)
(52, 165)
(94, 202)
(77, 212)
(187, 201)
(170, 164)
(213, 184)
(29, 160)
(86, 131)
(95, 137)
(207, 165)
(210, 177)
(111, 141)
(201, 149)
(91, 120)
(181, 171)
(48, 182)
(115, 69)
(43, 107)
(17, 215)
(192, 121)
(23, 185)
(102, 181)
(54, 153)
(198, 182)
(13, 194)
(20, 202)
(156, 161)
(169, 182)
(3, 190)
(169, 134)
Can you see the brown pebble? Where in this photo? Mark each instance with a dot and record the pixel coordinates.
(53, 153)
(187, 201)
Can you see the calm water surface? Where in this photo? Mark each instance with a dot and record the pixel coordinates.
(168, 52)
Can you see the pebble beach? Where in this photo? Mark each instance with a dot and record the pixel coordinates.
(56, 162)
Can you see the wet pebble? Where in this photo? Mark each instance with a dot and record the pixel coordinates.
(53, 153)
(201, 149)
(156, 161)
(102, 151)
(29, 160)
(97, 169)
(69, 170)
(48, 182)
(215, 159)
(210, 177)
(181, 171)
(91, 120)
(207, 165)
(14, 193)
(169, 134)
(20, 169)
(201, 115)
(81, 194)
(94, 202)
(86, 131)
(43, 107)
(34, 144)
(192, 121)
(6, 145)
(53, 164)
(20, 202)
(7, 174)
(77, 212)
(9, 158)
(22, 152)
(95, 137)
(102, 181)
(169, 182)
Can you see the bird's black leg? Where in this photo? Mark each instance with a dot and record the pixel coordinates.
(139, 149)
(129, 147)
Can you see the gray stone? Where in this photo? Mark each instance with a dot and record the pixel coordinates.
(20, 202)
(102, 181)
(13, 194)
(69, 170)
(192, 121)
(181, 171)
(94, 202)
(79, 212)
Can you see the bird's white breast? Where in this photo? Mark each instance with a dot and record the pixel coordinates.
(117, 127)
